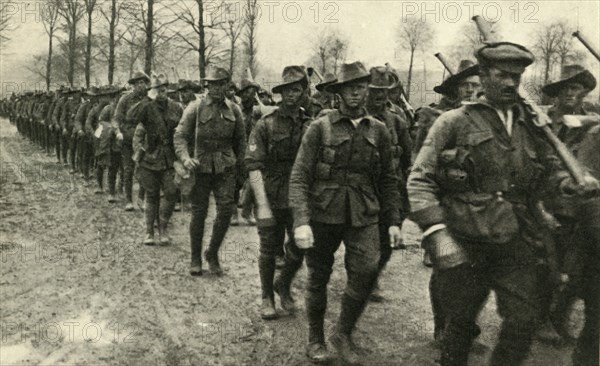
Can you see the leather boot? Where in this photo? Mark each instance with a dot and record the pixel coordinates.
(318, 353)
(283, 284)
(267, 309)
(214, 267)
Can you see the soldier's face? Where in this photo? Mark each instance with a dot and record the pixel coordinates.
(500, 86)
(571, 95)
(141, 86)
(468, 88)
(216, 89)
(378, 97)
(394, 94)
(292, 94)
(354, 94)
(248, 94)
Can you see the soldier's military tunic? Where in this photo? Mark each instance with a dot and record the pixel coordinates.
(216, 129)
(488, 210)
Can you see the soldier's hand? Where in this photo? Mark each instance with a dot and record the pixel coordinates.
(119, 136)
(190, 164)
(444, 250)
(303, 237)
(80, 133)
(395, 235)
(570, 187)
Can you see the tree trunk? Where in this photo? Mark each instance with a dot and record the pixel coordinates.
(546, 69)
(88, 51)
(231, 57)
(49, 61)
(149, 38)
(410, 68)
(201, 41)
(111, 42)
(71, 72)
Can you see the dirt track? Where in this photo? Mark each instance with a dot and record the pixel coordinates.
(78, 288)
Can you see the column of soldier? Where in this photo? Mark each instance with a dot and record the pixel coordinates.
(336, 167)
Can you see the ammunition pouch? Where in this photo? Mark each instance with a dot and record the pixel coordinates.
(452, 172)
(481, 217)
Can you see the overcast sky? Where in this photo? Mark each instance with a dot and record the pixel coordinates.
(287, 28)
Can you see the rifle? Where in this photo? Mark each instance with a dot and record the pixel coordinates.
(587, 45)
(444, 62)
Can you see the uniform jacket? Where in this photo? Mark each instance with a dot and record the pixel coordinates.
(217, 132)
(504, 174)
(122, 119)
(156, 141)
(272, 149)
(344, 175)
(425, 116)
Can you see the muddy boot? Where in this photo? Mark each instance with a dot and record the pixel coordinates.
(267, 309)
(129, 206)
(235, 219)
(283, 284)
(150, 217)
(279, 261)
(341, 339)
(196, 270)
(112, 198)
(213, 263)
(164, 238)
(149, 239)
(377, 294)
(318, 353)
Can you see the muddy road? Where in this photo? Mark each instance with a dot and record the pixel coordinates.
(78, 287)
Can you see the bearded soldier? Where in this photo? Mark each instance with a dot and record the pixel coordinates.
(215, 128)
(125, 126)
(342, 184)
(473, 193)
(269, 159)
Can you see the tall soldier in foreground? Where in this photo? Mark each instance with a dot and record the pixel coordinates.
(473, 193)
(272, 148)
(342, 183)
(215, 127)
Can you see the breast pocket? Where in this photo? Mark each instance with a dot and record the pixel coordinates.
(484, 156)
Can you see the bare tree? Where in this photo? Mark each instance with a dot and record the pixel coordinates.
(149, 16)
(548, 39)
(338, 47)
(89, 10)
(130, 56)
(464, 47)
(5, 23)
(321, 53)
(232, 25)
(251, 14)
(413, 34)
(71, 11)
(49, 20)
(112, 17)
(201, 39)
(564, 46)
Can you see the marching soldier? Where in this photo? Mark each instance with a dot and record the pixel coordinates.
(460, 87)
(342, 184)
(473, 191)
(158, 116)
(107, 149)
(272, 148)
(574, 241)
(457, 88)
(125, 126)
(215, 128)
(325, 98)
(67, 122)
(381, 81)
(83, 145)
(56, 123)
